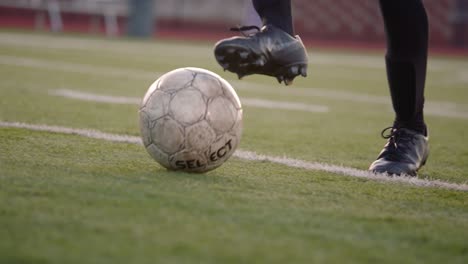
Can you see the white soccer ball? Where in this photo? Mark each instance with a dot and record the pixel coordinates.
(191, 120)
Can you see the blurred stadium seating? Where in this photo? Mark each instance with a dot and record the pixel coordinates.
(339, 21)
(360, 20)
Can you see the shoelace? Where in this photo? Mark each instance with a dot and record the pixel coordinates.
(396, 135)
(387, 136)
(242, 29)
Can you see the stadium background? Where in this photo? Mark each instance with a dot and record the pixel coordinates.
(338, 23)
(305, 197)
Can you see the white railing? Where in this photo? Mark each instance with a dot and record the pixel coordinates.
(76, 6)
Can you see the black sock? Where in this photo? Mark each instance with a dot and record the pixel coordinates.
(276, 12)
(406, 27)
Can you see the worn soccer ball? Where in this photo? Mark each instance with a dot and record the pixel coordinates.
(191, 120)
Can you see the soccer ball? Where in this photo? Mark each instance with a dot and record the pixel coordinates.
(190, 120)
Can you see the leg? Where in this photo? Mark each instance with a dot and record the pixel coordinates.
(406, 26)
(277, 13)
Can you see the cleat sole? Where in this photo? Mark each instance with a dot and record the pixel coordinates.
(285, 58)
(304, 71)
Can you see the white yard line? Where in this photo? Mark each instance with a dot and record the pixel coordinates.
(90, 133)
(432, 108)
(77, 68)
(284, 105)
(91, 97)
(253, 102)
(252, 156)
(181, 50)
(188, 50)
(128, 47)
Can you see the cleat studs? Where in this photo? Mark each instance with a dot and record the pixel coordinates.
(230, 50)
(288, 81)
(260, 62)
(294, 70)
(280, 78)
(304, 71)
(243, 55)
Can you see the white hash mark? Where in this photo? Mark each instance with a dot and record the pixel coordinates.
(252, 156)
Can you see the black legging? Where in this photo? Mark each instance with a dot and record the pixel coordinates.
(406, 28)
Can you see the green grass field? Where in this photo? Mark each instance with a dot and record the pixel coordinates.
(73, 199)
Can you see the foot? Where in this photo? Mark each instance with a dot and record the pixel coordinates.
(405, 152)
(271, 51)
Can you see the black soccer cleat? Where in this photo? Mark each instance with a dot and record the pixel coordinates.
(405, 152)
(270, 51)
